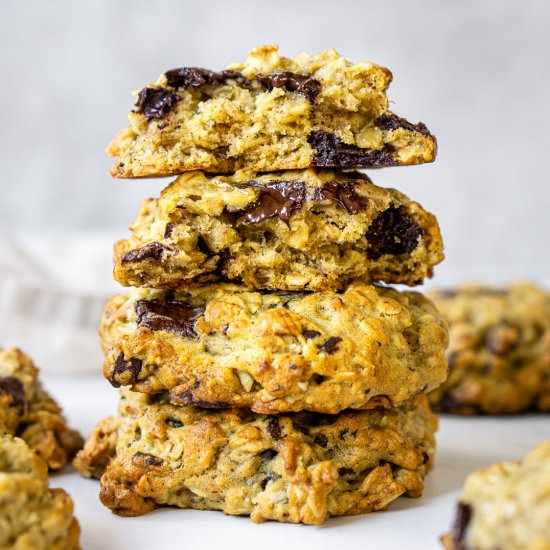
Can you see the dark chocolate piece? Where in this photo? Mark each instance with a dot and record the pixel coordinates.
(133, 366)
(331, 151)
(155, 102)
(12, 386)
(393, 231)
(309, 334)
(345, 472)
(274, 428)
(278, 198)
(342, 193)
(391, 121)
(149, 459)
(170, 315)
(293, 82)
(195, 77)
(168, 230)
(462, 519)
(153, 250)
(268, 454)
(330, 345)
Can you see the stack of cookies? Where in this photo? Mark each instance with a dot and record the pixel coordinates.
(263, 372)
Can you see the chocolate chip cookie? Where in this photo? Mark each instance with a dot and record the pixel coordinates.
(505, 506)
(302, 467)
(32, 516)
(499, 352)
(297, 230)
(270, 113)
(27, 411)
(225, 345)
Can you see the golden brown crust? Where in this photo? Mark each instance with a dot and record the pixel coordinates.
(225, 345)
(301, 467)
(499, 352)
(32, 516)
(297, 230)
(27, 411)
(224, 126)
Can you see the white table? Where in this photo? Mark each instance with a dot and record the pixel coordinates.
(463, 445)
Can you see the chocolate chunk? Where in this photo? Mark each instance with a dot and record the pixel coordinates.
(342, 193)
(149, 459)
(394, 231)
(345, 472)
(274, 428)
(170, 315)
(321, 440)
(153, 250)
(268, 454)
(278, 198)
(293, 82)
(462, 519)
(174, 422)
(389, 122)
(330, 345)
(272, 476)
(155, 102)
(203, 247)
(194, 77)
(309, 334)
(425, 457)
(133, 366)
(168, 230)
(331, 151)
(12, 386)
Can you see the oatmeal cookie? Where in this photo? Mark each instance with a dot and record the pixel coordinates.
(32, 516)
(225, 345)
(505, 506)
(301, 467)
(499, 351)
(28, 412)
(270, 113)
(298, 230)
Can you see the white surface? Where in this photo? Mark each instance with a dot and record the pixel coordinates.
(410, 524)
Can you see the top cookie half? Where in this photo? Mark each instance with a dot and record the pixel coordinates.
(270, 113)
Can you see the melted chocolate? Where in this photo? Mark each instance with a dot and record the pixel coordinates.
(194, 77)
(462, 519)
(170, 315)
(342, 193)
(390, 122)
(331, 151)
(133, 366)
(155, 102)
(309, 334)
(274, 428)
(152, 250)
(12, 386)
(330, 345)
(278, 198)
(149, 459)
(299, 83)
(393, 231)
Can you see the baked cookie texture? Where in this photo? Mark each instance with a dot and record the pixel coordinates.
(27, 411)
(270, 113)
(296, 230)
(32, 516)
(302, 467)
(505, 506)
(226, 345)
(499, 351)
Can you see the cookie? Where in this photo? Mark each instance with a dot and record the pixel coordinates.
(32, 516)
(27, 411)
(270, 113)
(302, 467)
(227, 346)
(297, 230)
(505, 506)
(499, 352)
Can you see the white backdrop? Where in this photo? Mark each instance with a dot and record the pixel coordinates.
(476, 72)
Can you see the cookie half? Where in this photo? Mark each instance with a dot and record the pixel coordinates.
(27, 411)
(270, 113)
(505, 506)
(32, 516)
(297, 230)
(499, 352)
(302, 467)
(225, 345)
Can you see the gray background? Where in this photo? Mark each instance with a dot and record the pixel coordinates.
(477, 72)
